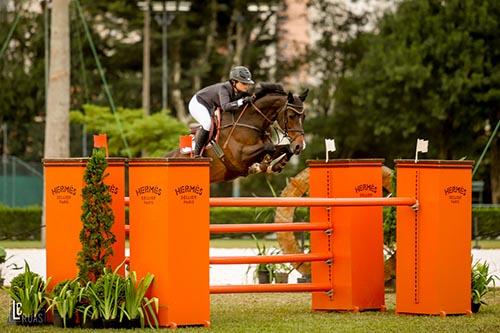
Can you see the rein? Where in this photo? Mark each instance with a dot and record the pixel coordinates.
(298, 109)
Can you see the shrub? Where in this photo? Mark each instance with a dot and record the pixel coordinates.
(247, 215)
(20, 223)
(488, 222)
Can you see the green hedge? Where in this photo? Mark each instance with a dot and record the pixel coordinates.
(488, 222)
(20, 223)
(23, 223)
(247, 215)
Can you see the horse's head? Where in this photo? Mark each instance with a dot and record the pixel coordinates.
(291, 120)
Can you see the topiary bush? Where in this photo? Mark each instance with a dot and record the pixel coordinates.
(97, 219)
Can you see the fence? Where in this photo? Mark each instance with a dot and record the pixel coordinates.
(21, 183)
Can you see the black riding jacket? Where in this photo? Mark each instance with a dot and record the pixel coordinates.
(219, 95)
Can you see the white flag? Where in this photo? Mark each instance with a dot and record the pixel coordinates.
(329, 146)
(422, 146)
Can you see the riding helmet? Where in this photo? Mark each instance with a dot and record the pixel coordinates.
(241, 74)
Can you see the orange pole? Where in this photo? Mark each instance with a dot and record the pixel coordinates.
(310, 202)
(229, 228)
(270, 288)
(270, 259)
(434, 243)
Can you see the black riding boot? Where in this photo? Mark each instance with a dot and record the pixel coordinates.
(200, 140)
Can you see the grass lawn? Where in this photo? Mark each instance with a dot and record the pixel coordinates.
(24, 244)
(488, 244)
(292, 313)
(216, 243)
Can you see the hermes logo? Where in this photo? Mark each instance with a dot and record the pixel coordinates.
(365, 190)
(455, 189)
(64, 189)
(113, 189)
(64, 193)
(188, 193)
(155, 189)
(148, 193)
(455, 193)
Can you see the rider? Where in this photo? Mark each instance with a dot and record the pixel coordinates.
(229, 96)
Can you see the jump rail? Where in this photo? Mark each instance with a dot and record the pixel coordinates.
(310, 202)
(306, 202)
(236, 260)
(274, 227)
(271, 288)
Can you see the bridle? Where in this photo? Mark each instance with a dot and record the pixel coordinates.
(298, 109)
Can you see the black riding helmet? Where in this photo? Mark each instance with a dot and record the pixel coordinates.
(241, 74)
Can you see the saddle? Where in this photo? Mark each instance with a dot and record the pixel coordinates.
(213, 136)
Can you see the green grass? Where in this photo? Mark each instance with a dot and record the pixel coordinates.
(216, 243)
(292, 313)
(488, 244)
(24, 244)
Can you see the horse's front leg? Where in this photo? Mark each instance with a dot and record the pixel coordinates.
(262, 166)
(280, 158)
(258, 157)
(269, 158)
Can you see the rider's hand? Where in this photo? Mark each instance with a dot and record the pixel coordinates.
(244, 100)
(248, 99)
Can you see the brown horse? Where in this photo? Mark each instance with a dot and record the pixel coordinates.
(245, 135)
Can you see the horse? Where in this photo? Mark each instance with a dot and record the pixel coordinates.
(244, 144)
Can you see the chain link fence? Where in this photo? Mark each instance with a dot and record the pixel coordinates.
(21, 183)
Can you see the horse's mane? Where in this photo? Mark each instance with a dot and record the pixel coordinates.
(266, 88)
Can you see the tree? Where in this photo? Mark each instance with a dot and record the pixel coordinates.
(22, 97)
(431, 72)
(155, 134)
(339, 47)
(58, 98)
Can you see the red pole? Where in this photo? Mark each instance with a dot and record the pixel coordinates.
(309, 202)
(270, 288)
(270, 259)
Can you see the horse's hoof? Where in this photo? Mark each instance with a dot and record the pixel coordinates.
(254, 168)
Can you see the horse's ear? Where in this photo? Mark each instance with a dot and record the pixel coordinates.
(290, 97)
(303, 96)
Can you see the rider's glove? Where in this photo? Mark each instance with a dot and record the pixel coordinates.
(248, 99)
(244, 100)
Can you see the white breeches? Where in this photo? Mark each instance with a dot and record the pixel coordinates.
(200, 113)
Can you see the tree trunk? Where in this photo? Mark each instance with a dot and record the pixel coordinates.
(176, 91)
(58, 97)
(229, 42)
(495, 170)
(203, 61)
(239, 39)
(146, 60)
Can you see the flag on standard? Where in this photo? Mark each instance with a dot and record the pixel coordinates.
(422, 147)
(329, 146)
